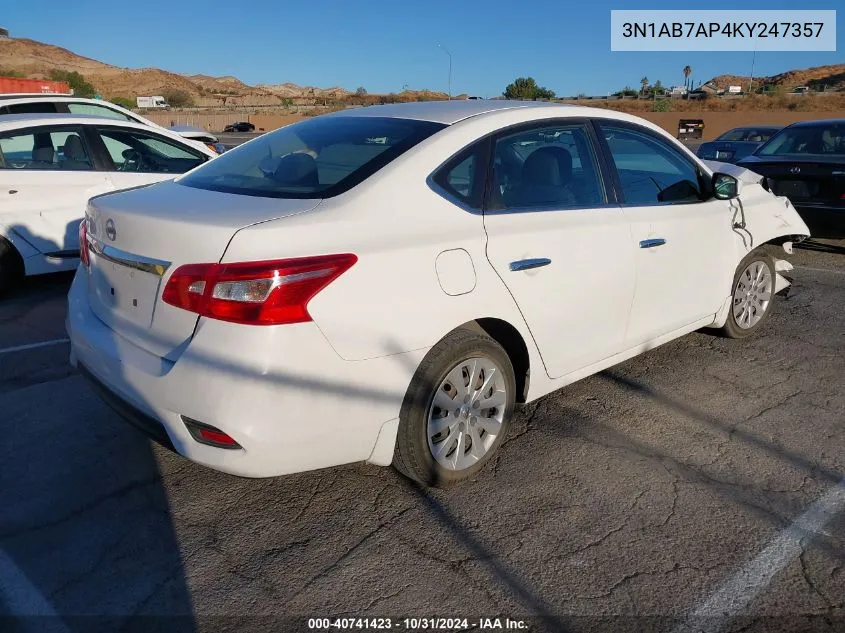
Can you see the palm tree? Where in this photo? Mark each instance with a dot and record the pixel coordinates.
(687, 73)
(644, 84)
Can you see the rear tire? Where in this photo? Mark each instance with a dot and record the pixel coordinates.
(752, 294)
(456, 411)
(11, 266)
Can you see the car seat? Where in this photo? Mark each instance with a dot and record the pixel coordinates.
(74, 154)
(546, 176)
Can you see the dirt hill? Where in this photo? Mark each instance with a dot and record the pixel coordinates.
(36, 59)
(832, 77)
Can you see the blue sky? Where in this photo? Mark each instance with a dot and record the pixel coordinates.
(384, 45)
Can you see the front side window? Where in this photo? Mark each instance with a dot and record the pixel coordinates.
(822, 139)
(98, 110)
(650, 170)
(546, 166)
(318, 158)
(136, 151)
(44, 149)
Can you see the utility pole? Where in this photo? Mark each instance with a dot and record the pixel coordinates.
(753, 59)
(445, 50)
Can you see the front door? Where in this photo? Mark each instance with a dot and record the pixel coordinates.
(680, 235)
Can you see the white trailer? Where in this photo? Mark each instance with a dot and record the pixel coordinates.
(152, 102)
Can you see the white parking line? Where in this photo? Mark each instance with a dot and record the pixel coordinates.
(21, 348)
(732, 598)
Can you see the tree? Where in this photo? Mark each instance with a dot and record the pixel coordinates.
(361, 92)
(658, 87)
(177, 98)
(123, 102)
(5, 72)
(644, 84)
(80, 87)
(627, 91)
(527, 88)
(687, 73)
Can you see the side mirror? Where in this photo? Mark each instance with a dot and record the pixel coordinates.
(725, 186)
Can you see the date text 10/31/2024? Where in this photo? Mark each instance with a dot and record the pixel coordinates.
(418, 624)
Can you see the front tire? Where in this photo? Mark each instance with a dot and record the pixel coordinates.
(456, 411)
(752, 294)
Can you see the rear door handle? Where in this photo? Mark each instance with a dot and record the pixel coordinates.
(528, 264)
(651, 243)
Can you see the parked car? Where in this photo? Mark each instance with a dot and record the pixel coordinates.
(240, 126)
(737, 143)
(67, 104)
(806, 162)
(198, 134)
(342, 300)
(50, 165)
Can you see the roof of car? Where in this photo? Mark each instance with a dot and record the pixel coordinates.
(446, 112)
(40, 96)
(53, 117)
(819, 122)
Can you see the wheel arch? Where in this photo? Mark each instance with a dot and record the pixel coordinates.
(514, 345)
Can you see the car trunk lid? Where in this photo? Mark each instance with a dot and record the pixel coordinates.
(803, 182)
(140, 236)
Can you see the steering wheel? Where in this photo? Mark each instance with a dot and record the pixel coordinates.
(131, 160)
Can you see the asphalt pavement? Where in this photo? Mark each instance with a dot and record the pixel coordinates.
(702, 478)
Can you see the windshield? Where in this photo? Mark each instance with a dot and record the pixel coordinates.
(754, 135)
(807, 140)
(318, 158)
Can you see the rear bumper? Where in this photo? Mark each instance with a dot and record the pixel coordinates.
(281, 392)
(148, 425)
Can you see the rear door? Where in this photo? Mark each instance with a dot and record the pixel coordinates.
(559, 243)
(47, 175)
(135, 157)
(681, 237)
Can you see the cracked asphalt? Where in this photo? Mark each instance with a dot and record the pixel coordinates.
(621, 502)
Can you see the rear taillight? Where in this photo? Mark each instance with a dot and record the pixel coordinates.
(212, 147)
(84, 255)
(256, 293)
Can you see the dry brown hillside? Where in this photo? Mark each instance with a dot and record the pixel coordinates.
(832, 77)
(36, 59)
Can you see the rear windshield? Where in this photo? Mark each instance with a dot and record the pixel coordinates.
(318, 158)
(803, 140)
(754, 135)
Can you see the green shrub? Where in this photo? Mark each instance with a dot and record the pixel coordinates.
(81, 88)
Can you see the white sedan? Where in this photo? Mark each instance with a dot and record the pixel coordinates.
(67, 104)
(51, 164)
(380, 284)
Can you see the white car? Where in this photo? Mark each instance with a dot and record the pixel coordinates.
(51, 164)
(314, 297)
(68, 104)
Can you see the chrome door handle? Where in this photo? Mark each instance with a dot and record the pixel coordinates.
(657, 241)
(527, 264)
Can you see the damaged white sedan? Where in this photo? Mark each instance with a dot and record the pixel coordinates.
(379, 284)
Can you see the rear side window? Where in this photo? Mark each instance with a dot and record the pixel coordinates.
(319, 158)
(136, 151)
(98, 110)
(62, 149)
(463, 176)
